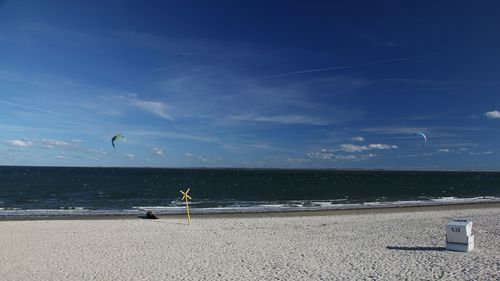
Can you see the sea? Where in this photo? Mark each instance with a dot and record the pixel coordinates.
(75, 191)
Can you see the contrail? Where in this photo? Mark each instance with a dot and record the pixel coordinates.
(341, 67)
(33, 108)
(44, 110)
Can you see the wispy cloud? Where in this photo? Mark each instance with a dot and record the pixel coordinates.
(47, 81)
(60, 144)
(281, 119)
(227, 99)
(495, 114)
(457, 151)
(150, 42)
(157, 108)
(395, 130)
(42, 31)
(407, 156)
(357, 139)
(174, 135)
(435, 116)
(481, 153)
(245, 146)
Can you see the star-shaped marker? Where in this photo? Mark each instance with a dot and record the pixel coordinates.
(186, 197)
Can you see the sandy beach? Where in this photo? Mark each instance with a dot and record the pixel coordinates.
(403, 244)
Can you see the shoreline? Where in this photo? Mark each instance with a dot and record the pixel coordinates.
(267, 214)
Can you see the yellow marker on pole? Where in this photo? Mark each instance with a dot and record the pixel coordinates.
(186, 197)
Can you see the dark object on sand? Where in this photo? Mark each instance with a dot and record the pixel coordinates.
(149, 215)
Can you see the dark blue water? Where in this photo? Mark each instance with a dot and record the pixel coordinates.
(126, 189)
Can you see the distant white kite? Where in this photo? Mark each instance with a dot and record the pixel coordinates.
(422, 135)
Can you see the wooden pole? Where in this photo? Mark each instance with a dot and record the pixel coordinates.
(187, 210)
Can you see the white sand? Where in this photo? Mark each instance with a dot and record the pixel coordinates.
(334, 247)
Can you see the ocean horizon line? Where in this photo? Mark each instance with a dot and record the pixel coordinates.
(258, 168)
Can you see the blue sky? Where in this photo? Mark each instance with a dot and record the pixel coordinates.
(289, 84)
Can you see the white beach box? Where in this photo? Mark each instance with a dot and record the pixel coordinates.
(458, 231)
(461, 247)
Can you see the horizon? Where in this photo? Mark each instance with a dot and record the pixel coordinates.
(251, 168)
(257, 85)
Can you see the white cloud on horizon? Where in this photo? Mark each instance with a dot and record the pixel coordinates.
(495, 114)
(158, 151)
(332, 154)
(197, 157)
(356, 157)
(129, 156)
(359, 148)
(323, 154)
(54, 149)
(19, 143)
(61, 156)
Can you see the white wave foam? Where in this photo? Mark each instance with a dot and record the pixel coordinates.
(272, 206)
(245, 207)
(158, 207)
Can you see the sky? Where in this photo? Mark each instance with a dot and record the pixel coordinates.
(254, 84)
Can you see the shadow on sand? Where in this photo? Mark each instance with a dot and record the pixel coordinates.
(416, 248)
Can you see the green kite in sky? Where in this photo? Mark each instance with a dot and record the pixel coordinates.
(116, 137)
